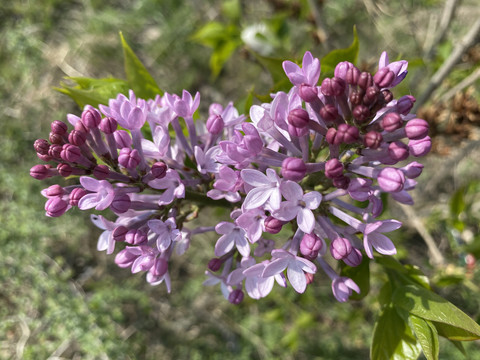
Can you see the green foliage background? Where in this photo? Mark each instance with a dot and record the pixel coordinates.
(59, 297)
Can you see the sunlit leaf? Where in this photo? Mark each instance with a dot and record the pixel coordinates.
(361, 276)
(329, 61)
(138, 77)
(427, 336)
(392, 338)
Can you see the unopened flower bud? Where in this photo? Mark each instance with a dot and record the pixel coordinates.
(354, 258)
(121, 203)
(272, 225)
(391, 122)
(391, 179)
(398, 151)
(416, 129)
(129, 158)
(215, 264)
(56, 207)
(126, 257)
(64, 169)
(101, 172)
(215, 124)
(76, 195)
(361, 113)
(77, 138)
(342, 69)
(55, 152)
(329, 113)
(371, 95)
(108, 125)
(293, 169)
(39, 172)
(356, 97)
(123, 139)
(420, 147)
(159, 170)
(372, 139)
(41, 146)
(160, 267)
(91, 118)
(387, 95)
(80, 126)
(331, 136)
(347, 134)
(59, 127)
(70, 153)
(365, 80)
(54, 190)
(236, 297)
(412, 170)
(352, 76)
(56, 138)
(340, 248)
(308, 93)
(310, 246)
(119, 232)
(333, 168)
(333, 87)
(384, 77)
(405, 104)
(298, 118)
(135, 237)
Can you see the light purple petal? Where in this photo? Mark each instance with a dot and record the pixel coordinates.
(297, 278)
(306, 220)
(306, 265)
(256, 198)
(291, 190)
(136, 118)
(383, 60)
(275, 267)
(288, 211)
(224, 227)
(312, 199)
(311, 68)
(102, 243)
(389, 225)
(368, 246)
(224, 245)
(88, 201)
(105, 201)
(242, 243)
(293, 72)
(235, 277)
(275, 199)
(90, 184)
(167, 197)
(254, 177)
(382, 244)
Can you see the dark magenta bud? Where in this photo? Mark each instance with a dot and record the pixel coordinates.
(54, 190)
(329, 113)
(129, 158)
(215, 264)
(391, 122)
(371, 95)
(45, 158)
(76, 195)
(159, 170)
(215, 124)
(310, 245)
(41, 146)
(361, 113)
(341, 182)
(123, 139)
(398, 151)
(91, 118)
(70, 153)
(333, 168)
(353, 75)
(348, 133)
(55, 151)
(121, 203)
(59, 127)
(56, 207)
(119, 232)
(340, 248)
(384, 77)
(77, 138)
(108, 125)
(56, 138)
(272, 225)
(387, 95)
(356, 97)
(372, 139)
(365, 80)
(331, 136)
(308, 93)
(405, 104)
(298, 118)
(354, 258)
(101, 172)
(333, 87)
(236, 297)
(342, 69)
(79, 126)
(135, 237)
(293, 169)
(39, 172)
(416, 129)
(64, 169)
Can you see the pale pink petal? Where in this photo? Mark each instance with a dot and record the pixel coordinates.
(102, 243)
(256, 198)
(291, 190)
(224, 227)
(293, 72)
(224, 245)
(242, 243)
(296, 277)
(288, 211)
(90, 184)
(312, 199)
(88, 201)
(383, 60)
(275, 267)
(254, 177)
(382, 244)
(389, 225)
(306, 220)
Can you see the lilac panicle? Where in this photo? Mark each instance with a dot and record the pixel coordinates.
(288, 176)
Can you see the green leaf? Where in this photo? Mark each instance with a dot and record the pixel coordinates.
(212, 34)
(220, 56)
(232, 9)
(457, 202)
(403, 274)
(459, 346)
(454, 323)
(88, 91)
(138, 77)
(427, 336)
(329, 61)
(393, 338)
(361, 276)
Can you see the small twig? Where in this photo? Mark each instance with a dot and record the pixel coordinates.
(60, 350)
(467, 41)
(20, 348)
(437, 257)
(469, 80)
(445, 20)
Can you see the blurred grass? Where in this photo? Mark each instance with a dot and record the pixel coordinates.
(58, 296)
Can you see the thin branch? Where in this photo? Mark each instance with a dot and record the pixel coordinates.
(469, 80)
(445, 20)
(467, 41)
(436, 256)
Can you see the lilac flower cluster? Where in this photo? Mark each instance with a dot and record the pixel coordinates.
(292, 169)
